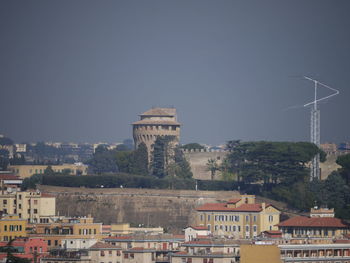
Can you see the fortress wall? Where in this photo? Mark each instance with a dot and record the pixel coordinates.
(198, 161)
(172, 209)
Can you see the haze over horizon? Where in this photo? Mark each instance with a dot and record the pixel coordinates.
(82, 71)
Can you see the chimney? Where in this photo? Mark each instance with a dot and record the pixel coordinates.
(263, 206)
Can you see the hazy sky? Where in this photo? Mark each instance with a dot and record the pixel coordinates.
(83, 70)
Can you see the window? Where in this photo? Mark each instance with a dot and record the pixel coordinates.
(35, 202)
(131, 255)
(118, 253)
(208, 227)
(4, 202)
(189, 260)
(270, 218)
(110, 252)
(254, 218)
(20, 197)
(94, 231)
(56, 242)
(208, 217)
(20, 206)
(236, 218)
(35, 211)
(49, 242)
(102, 253)
(255, 228)
(5, 227)
(201, 217)
(205, 260)
(246, 218)
(126, 255)
(5, 211)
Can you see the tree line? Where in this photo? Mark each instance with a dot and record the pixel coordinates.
(166, 160)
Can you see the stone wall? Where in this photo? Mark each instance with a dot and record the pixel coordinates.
(172, 209)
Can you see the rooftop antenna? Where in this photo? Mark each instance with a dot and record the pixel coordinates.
(315, 125)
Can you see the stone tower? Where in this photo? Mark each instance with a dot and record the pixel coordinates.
(153, 123)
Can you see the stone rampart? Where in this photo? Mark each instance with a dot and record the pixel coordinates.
(172, 209)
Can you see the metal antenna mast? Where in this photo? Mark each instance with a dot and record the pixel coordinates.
(315, 126)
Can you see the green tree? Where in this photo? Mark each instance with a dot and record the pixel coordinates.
(212, 166)
(184, 168)
(103, 161)
(31, 182)
(162, 151)
(140, 160)
(49, 171)
(270, 162)
(344, 162)
(4, 159)
(124, 160)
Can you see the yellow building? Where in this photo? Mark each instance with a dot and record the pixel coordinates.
(29, 205)
(55, 229)
(260, 254)
(24, 171)
(239, 218)
(12, 226)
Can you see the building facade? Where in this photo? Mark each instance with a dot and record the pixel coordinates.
(29, 205)
(25, 171)
(239, 218)
(11, 226)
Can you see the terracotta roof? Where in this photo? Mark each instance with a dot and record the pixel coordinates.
(100, 245)
(121, 237)
(9, 177)
(198, 227)
(223, 207)
(155, 122)
(274, 232)
(303, 221)
(46, 195)
(137, 248)
(234, 200)
(160, 112)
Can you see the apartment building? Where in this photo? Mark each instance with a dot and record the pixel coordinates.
(11, 226)
(56, 231)
(238, 218)
(28, 205)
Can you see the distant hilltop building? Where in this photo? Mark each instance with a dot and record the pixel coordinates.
(153, 123)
